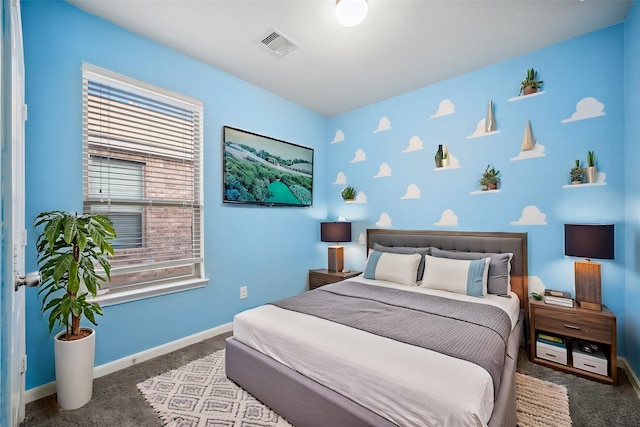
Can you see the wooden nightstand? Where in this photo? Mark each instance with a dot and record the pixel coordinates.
(575, 323)
(322, 276)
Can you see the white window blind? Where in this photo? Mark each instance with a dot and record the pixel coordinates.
(142, 167)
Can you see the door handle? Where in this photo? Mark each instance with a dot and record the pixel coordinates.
(29, 280)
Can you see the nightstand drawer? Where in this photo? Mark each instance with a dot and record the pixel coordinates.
(592, 328)
(318, 280)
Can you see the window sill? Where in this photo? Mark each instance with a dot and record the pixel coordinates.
(123, 296)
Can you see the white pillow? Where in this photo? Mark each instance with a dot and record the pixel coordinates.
(467, 277)
(398, 268)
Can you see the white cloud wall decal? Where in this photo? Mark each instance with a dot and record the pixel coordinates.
(361, 239)
(454, 163)
(339, 137)
(413, 192)
(415, 144)
(360, 156)
(586, 108)
(537, 151)
(480, 131)
(383, 124)
(445, 108)
(385, 220)
(383, 171)
(531, 215)
(448, 217)
(340, 179)
(360, 198)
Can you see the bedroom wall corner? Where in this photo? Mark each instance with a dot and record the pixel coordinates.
(632, 188)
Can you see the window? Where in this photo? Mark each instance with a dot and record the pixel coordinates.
(142, 168)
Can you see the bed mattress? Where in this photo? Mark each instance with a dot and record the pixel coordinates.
(403, 383)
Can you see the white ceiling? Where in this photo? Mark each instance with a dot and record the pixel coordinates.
(401, 46)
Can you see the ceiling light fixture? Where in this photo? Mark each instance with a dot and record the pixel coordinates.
(351, 12)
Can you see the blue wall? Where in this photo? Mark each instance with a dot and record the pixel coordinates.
(632, 189)
(267, 249)
(271, 249)
(401, 189)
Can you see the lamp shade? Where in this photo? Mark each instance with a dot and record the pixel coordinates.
(339, 231)
(589, 240)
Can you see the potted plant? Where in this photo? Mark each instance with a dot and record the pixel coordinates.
(576, 173)
(348, 193)
(591, 171)
(69, 248)
(490, 178)
(529, 84)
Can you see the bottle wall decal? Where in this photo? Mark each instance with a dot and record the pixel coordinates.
(490, 120)
(446, 160)
(439, 155)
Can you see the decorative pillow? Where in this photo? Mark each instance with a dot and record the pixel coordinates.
(499, 267)
(398, 268)
(467, 277)
(406, 250)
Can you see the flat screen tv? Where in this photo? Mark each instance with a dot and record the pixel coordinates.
(265, 171)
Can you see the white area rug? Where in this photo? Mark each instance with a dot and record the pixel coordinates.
(199, 394)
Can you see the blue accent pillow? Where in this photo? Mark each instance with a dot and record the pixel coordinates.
(467, 277)
(499, 267)
(397, 268)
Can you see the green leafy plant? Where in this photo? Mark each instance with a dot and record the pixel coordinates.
(490, 177)
(69, 248)
(591, 158)
(577, 172)
(530, 81)
(348, 193)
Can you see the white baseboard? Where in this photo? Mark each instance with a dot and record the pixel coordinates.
(633, 378)
(48, 389)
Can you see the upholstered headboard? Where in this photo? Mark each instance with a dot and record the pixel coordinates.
(465, 241)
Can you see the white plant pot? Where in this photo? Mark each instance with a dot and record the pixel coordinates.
(74, 370)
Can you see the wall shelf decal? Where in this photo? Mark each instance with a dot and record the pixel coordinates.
(475, 193)
(518, 98)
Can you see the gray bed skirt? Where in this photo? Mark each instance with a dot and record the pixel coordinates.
(306, 403)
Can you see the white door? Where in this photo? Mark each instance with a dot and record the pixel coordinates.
(13, 116)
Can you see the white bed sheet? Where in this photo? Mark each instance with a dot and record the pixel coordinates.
(406, 384)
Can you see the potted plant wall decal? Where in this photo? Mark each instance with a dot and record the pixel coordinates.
(576, 173)
(446, 160)
(73, 250)
(348, 194)
(490, 178)
(591, 171)
(529, 84)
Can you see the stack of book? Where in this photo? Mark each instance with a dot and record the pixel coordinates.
(552, 340)
(558, 298)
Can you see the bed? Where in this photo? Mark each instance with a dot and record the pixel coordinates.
(320, 372)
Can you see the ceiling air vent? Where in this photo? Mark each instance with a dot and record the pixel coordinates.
(279, 44)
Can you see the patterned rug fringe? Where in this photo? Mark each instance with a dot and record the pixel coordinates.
(199, 394)
(541, 403)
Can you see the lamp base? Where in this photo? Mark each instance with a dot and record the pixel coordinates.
(336, 258)
(587, 285)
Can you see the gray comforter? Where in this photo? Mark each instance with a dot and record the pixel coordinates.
(470, 331)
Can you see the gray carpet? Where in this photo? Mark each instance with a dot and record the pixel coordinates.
(118, 402)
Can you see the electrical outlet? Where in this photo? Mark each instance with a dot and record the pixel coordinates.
(243, 292)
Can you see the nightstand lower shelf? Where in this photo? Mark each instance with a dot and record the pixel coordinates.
(574, 324)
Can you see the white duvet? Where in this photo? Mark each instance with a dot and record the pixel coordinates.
(407, 385)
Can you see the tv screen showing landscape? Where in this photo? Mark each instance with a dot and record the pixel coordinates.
(266, 171)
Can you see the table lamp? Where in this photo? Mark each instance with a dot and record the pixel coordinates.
(588, 241)
(336, 232)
